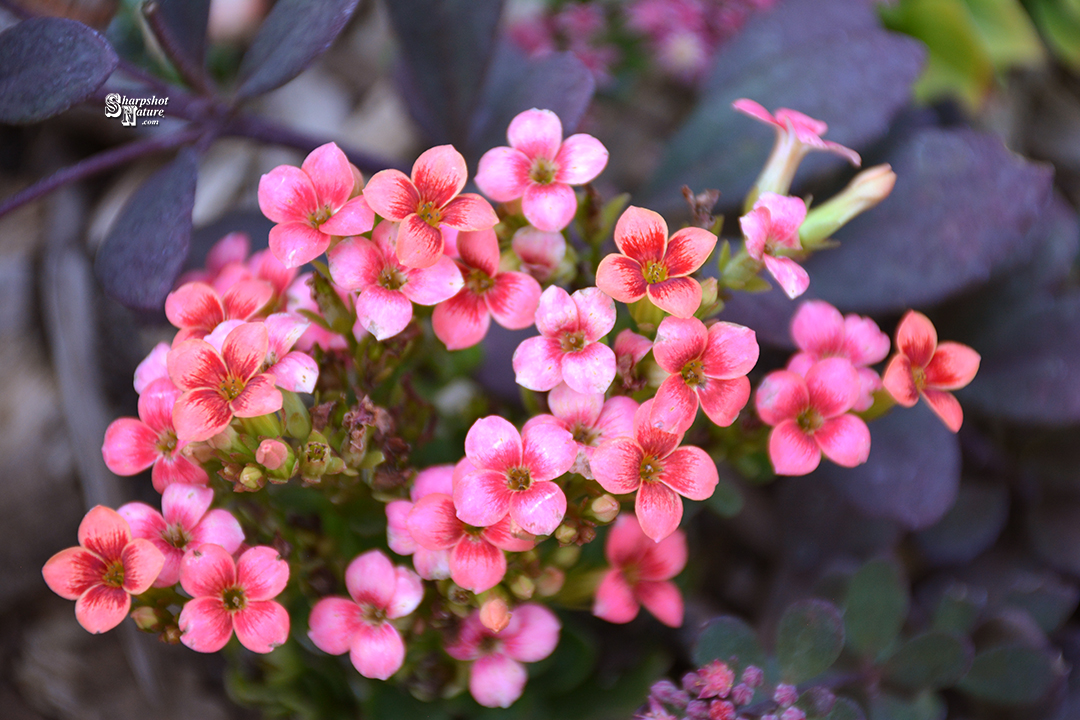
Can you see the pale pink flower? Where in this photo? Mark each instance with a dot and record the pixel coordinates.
(430, 199)
(589, 420)
(540, 252)
(653, 464)
(228, 263)
(820, 331)
(360, 626)
(923, 367)
(292, 369)
(512, 474)
(654, 266)
(312, 204)
(218, 386)
(810, 417)
(300, 297)
(388, 289)
(539, 167)
(185, 522)
(640, 574)
(429, 564)
(772, 228)
(707, 365)
(796, 128)
(230, 595)
(107, 568)
(630, 348)
(231, 248)
(568, 348)
(510, 297)
(196, 308)
(132, 445)
(153, 367)
(497, 677)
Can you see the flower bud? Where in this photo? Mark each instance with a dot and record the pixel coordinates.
(785, 694)
(540, 252)
(604, 508)
(495, 615)
(550, 581)
(566, 557)
(297, 417)
(753, 676)
(228, 440)
(710, 299)
(522, 587)
(251, 479)
(315, 458)
(147, 619)
(272, 454)
(865, 190)
(742, 694)
(566, 534)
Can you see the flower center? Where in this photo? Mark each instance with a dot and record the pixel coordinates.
(518, 479)
(231, 387)
(114, 574)
(373, 615)
(650, 470)
(429, 213)
(654, 272)
(572, 342)
(810, 421)
(391, 279)
(543, 171)
(234, 599)
(585, 435)
(166, 443)
(693, 373)
(176, 536)
(320, 216)
(918, 375)
(478, 282)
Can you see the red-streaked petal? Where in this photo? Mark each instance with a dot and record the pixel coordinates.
(262, 573)
(205, 624)
(590, 370)
(687, 250)
(434, 284)
(900, 382)
(845, 440)
(946, 407)
(462, 321)
(790, 275)
(103, 532)
(596, 312)
(641, 234)
(101, 608)
(952, 367)
(663, 600)
(792, 451)
(142, 565)
(732, 351)
(658, 508)
(384, 313)
(480, 249)
(548, 451)
(536, 133)
(286, 194)
(482, 498)
(71, 572)
(476, 564)
(507, 535)
(616, 464)
(496, 681)
(653, 441)
(439, 174)
(469, 211)
(432, 522)
(371, 578)
(245, 348)
(674, 407)
(194, 305)
(514, 300)
(781, 396)
(818, 328)
(493, 443)
(355, 263)
(156, 404)
(537, 363)
(334, 621)
(723, 399)
(549, 207)
(665, 559)
(833, 385)
(615, 601)
(259, 397)
(195, 364)
(916, 338)
(207, 571)
(296, 243)
(503, 174)
(678, 341)
(177, 469)
(392, 195)
(200, 414)
(130, 446)
(541, 508)
(377, 651)
(581, 158)
(620, 277)
(354, 217)
(262, 626)
(679, 296)
(690, 472)
(245, 298)
(418, 244)
(330, 174)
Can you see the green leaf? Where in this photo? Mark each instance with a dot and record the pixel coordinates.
(875, 607)
(729, 640)
(927, 706)
(1046, 597)
(930, 661)
(1060, 25)
(1006, 28)
(1011, 674)
(959, 609)
(809, 639)
(727, 500)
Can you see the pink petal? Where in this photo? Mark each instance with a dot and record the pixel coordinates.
(946, 407)
(334, 622)
(781, 396)
(156, 404)
(541, 508)
(663, 600)
(152, 368)
(462, 321)
(262, 573)
(916, 338)
(200, 414)
(469, 211)
(620, 277)
(786, 214)
(541, 252)
(497, 681)
(687, 250)
(845, 440)
(507, 535)
(408, 592)
(262, 626)
(549, 207)
(245, 348)
(575, 408)
(354, 217)
(419, 244)
(792, 451)
(652, 440)
(791, 276)
(493, 443)
(355, 263)
(432, 564)
(548, 451)
(556, 313)
(195, 364)
(439, 174)
(296, 243)
(101, 608)
(615, 601)
(641, 235)
(658, 509)
(723, 399)
(434, 284)
(144, 521)
(818, 328)
(675, 406)
(217, 338)
(665, 559)
(398, 537)
(384, 313)
(130, 446)
(833, 385)
(536, 133)
(103, 532)
(433, 522)
(177, 469)
(296, 372)
(205, 624)
(184, 505)
(245, 298)
(538, 362)
(952, 367)
(690, 472)
(436, 479)
(392, 195)
(533, 633)
(590, 370)
(480, 250)
(596, 313)
(259, 397)
(581, 158)
(503, 174)
(482, 498)
(371, 579)
(869, 383)
(377, 651)
(864, 342)
(220, 528)
(71, 572)
(233, 247)
(755, 229)
(514, 300)
(208, 570)
(678, 341)
(476, 565)
(617, 417)
(679, 296)
(283, 330)
(194, 305)
(616, 464)
(732, 351)
(330, 174)
(756, 111)
(900, 382)
(286, 194)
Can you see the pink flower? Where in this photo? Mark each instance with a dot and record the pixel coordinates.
(133, 445)
(794, 127)
(184, 522)
(292, 369)
(227, 263)
(512, 474)
(497, 677)
(387, 288)
(654, 266)
(477, 562)
(924, 367)
(429, 564)
(540, 252)
(311, 204)
(707, 365)
(153, 367)
(630, 348)
(567, 349)
(232, 595)
(196, 308)
(299, 296)
(653, 464)
(218, 386)
(539, 167)
(430, 199)
(772, 227)
(641, 574)
(380, 592)
(810, 417)
(105, 571)
(232, 248)
(820, 332)
(510, 297)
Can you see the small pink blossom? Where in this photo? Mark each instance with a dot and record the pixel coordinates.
(568, 348)
(153, 367)
(820, 331)
(388, 289)
(271, 454)
(512, 475)
(640, 574)
(429, 200)
(429, 564)
(196, 308)
(312, 204)
(794, 127)
(230, 595)
(360, 626)
(133, 445)
(228, 263)
(653, 464)
(231, 249)
(510, 297)
(540, 252)
(185, 522)
(810, 417)
(300, 297)
(292, 370)
(497, 677)
(539, 167)
(924, 367)
(630, 349)
(772, 228)
(654, 266)
(717, 679)
(107, 568)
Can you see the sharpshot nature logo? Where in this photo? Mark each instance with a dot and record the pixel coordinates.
(134, 111)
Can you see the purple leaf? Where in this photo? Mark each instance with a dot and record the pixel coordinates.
(145, 250)
(186, 20)
(49, 64)
(295, 33)
(969, 527)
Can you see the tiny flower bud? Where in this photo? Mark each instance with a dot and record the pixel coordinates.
(697, 710)
(252, 478)
(297, 417)
(865, 190)
(753, 676)
(565, 534)
(146, 619)
(691, 682)
(170, 635)
(566, 557)
(550, 581)
(540, 252)
(716, 680)
(793, 713)
(721, 710)
(522, 587)
(495, 615)
(742, 694)
(227, 440)
(785, 694)
(272, 454)
(669, 693)
(604, 508)
(820, 699)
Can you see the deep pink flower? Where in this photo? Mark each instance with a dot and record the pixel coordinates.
(651, 264)
(512, 474)
(497, 677)
(105, 570)
(924, 367)
(539, 167)
(510, 297)
(133, 445)
(568, 348)
(820, 331)
(707, 365)
(299, 297)
(185, 522)
(810, 417)
(640, 574)
(772, 227)
(430, 199)
(429, 564)
(218, 386)
(540, 252)
(232, 595)
(793, 127)
(388, 289)
(380, 592)
(653, 464)
(311, 204)
(196, 308)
